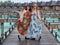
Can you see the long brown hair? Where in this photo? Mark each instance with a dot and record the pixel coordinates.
(26, 7)
(35, 5)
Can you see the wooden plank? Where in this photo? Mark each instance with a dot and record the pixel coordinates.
(1, 20)
(9, 20)
(47, 39)
(58, 23)
(54, 26)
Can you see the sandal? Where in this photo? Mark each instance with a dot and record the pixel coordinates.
(39, 38)
(19, 37)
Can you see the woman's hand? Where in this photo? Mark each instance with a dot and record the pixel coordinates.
(21, 19)
(40, 21)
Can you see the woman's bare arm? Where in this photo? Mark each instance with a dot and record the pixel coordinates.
(39, 16)
(23, 12)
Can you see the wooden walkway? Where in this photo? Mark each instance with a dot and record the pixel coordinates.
(8, 20)
(47, 39)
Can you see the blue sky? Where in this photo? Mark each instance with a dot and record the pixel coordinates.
(22, 1)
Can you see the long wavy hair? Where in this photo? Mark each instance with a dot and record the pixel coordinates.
(27, 6)
(36, 8)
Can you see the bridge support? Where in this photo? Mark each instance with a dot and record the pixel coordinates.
(2, 30)
(0, 41)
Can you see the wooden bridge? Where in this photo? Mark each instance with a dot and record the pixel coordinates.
(47, 39)
(12, 39)
(8, 15)
(8, 20)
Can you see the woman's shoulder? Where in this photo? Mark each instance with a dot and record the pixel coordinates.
(23, 11)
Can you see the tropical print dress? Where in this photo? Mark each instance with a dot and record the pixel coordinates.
(35, 27)
(22, 27)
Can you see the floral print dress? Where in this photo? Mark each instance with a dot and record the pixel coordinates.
(22, 26)
(35, 27)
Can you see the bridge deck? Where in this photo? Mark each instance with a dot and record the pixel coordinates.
(47, 39)
(8, 20)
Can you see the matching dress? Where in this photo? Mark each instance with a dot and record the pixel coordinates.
(32, 26)
(34, 30)
(22, 26)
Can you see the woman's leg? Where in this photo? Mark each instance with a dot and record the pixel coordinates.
(21, 37)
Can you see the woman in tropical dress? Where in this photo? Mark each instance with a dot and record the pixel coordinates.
(24, 22)
(34, 30)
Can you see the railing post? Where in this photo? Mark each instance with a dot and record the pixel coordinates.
(59, 19)
(49, 26)
(0, 41)
(52, 31)
(56, 35)
(10, 23)
(2, 29)
(9, 30)
(7, 19)
(12, 27)
(5, 34)
(59, 27)
(44, 19)
(53, 21)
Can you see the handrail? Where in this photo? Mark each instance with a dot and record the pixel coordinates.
(56, 34)
(6, 35)
(50, 10)
(55, 23)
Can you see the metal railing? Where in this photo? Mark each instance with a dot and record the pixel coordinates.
(7, 33)
(50, 28)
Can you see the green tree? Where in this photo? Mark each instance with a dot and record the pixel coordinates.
(8, 2)
(1, 2)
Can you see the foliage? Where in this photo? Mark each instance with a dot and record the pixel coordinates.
(6, 2)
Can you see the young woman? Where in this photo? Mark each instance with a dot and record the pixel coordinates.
(24, 22)
(34, 31)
